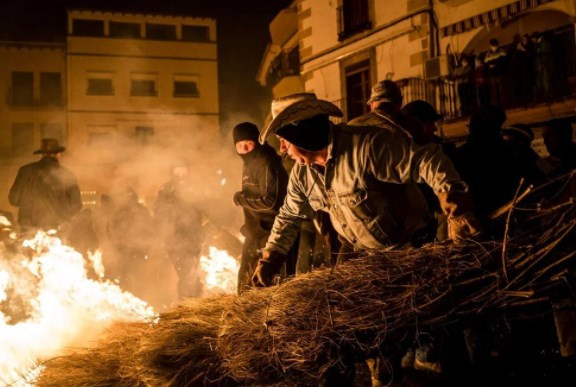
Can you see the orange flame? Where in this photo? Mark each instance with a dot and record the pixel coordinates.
(63, 306)
(221, 271)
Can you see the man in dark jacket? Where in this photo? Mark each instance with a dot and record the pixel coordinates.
(180, 223)
(46, 193)
(264, 182)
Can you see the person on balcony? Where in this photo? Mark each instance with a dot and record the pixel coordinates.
(543, 67)
(481, 81)
(496, 62)
(522, 70)
(464, 76)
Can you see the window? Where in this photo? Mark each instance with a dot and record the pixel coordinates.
(99, 139)
(143, 135)
(357, 89)
(196, 33)
(186, 86)
(124, 30)
(160, 31)
(22, 139)
(87, 27)
(100, 83)
(22, 92)
(143, 85)
(353, 17)
(50, 89)
(52, 131)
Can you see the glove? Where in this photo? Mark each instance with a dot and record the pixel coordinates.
(455, 202)
(463, 227)
(237, 197)
(267, 267)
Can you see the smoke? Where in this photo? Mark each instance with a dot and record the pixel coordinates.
(128, 165)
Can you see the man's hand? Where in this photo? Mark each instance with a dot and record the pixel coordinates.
(463, 227)
(267, 267)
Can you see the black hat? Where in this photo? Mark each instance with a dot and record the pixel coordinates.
(312, 134)
(245, 131)
(50, 146)
(422, 111)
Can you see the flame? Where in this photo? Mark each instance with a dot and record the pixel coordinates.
(62, 306)
(95, 259)
(220, 270)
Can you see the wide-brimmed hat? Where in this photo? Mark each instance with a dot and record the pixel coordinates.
(50, 145)
(297, 107)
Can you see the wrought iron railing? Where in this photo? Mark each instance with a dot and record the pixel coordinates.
(284, 65)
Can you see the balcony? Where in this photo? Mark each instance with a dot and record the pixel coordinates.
(444, 95)
(284, 65)
(26, 101)
(353, 18)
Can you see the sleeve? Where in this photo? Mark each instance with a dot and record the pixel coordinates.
(294, 210)
(75, 199)
(272, 190)
(395, 158)
(15, 194)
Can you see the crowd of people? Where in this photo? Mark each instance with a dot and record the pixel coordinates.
(525, 72)
(121, 226)
(383, 180)
(386, 180)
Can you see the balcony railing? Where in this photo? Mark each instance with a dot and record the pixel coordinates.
(27, 102)
(284, 65)
(353, 17)
(448, 94)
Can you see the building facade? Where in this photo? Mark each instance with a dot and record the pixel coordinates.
(345, 46)
(121, 83)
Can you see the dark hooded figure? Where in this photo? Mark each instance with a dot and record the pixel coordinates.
(488, 164)
(45, 192)
(264, 182)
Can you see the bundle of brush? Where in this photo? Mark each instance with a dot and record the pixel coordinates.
(302, 328)
(292, 333)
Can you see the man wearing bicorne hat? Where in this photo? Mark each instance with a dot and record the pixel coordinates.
(45, 192)
(358, 175)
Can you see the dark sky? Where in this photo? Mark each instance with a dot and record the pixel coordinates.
(242, 36)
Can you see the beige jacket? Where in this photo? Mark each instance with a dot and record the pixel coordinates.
(367, 188)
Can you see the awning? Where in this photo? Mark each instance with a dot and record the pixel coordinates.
(503, 13)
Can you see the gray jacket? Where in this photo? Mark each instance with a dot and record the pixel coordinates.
(367, 187)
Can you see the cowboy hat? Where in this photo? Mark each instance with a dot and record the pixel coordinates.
(297, 107)
(50, 145)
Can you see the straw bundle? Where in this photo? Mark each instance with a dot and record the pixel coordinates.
(292, 333)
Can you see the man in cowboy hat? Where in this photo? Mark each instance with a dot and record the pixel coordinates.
(45, 192)
(359, 176)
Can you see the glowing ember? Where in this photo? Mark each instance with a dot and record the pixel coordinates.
(50, 304)
(221, 271)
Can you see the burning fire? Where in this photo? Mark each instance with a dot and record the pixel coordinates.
(47, 303)
(221, 271)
